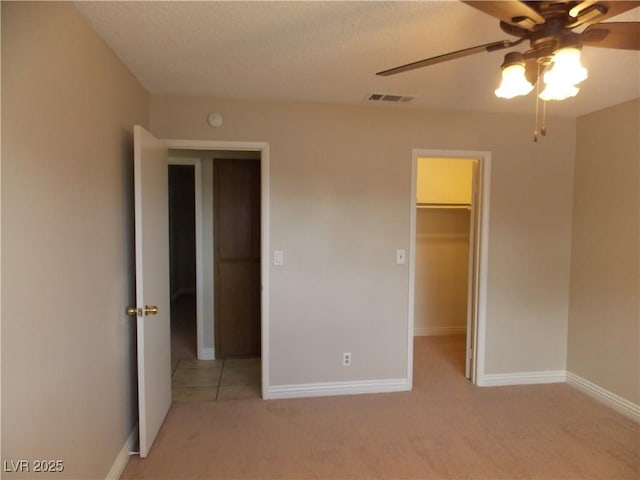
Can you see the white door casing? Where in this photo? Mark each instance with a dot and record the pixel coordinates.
(472, 284)
(263, 148)
(152, 284)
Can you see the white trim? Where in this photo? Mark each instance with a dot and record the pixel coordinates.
(411, 300)
(484, 185)
(622, 405)
(216, 145)
(523, 378)
(197, 181)
(483, 262)
(206, 353)
(122, 458)
(434, 331)
(265, 255)
(472, 263)
(339, 388)
(263, 148)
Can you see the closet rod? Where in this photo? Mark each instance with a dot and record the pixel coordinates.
(466, 206)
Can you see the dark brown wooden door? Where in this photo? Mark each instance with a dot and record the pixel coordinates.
(237, 257)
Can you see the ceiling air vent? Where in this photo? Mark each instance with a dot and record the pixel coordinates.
(389, 97)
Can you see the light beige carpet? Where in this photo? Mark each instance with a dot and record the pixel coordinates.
(445, 428)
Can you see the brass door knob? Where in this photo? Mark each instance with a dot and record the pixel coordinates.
(132, 311)
(150, 310)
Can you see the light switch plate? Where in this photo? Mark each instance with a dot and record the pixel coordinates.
(401, 257)
(278, 257)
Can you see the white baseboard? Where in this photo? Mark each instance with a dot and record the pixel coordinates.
(522, 378)
(206, 354)
(432, 331)
(622, 405)
(339, 388)
(123, 456)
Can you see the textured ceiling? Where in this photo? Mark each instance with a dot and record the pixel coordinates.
(330, 51)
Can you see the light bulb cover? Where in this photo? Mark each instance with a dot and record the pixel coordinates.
(514, 82)
(558, 92)
(566, 68)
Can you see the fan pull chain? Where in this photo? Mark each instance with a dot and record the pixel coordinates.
(535, 130)
(543, 130)
(542, 124)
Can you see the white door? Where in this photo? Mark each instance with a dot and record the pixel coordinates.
(152, 284)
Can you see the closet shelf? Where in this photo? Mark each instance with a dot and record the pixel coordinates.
(465, 206)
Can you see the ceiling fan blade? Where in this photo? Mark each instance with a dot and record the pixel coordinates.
(620, 35)
(589, 12)
(512, 12)
(487, 47)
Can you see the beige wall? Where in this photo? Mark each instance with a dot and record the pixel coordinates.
(340, 202)
(68, 106)
(604, 336)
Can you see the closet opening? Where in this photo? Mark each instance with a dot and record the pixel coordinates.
(447, 266)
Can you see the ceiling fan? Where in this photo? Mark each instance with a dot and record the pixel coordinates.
(554, 46)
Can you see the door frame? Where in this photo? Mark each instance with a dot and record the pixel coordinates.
(481, 246)
(263, 148)
(202, 352)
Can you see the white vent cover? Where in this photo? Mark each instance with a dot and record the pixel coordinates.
(389, 97)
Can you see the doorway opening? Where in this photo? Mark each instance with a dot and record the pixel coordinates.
(182, 261)
(449, 234)
(214, 373)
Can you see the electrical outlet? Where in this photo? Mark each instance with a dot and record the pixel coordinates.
(346, 359)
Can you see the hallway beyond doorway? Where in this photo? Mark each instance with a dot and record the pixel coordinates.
(194, 380)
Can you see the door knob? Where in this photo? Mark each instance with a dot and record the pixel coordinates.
(147, 310)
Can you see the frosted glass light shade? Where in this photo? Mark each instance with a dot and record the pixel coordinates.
(514, 83)
(558, 91)
(565, 73)
(566, 68)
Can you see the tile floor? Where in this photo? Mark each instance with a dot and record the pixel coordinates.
(214, 380)
(196, 380)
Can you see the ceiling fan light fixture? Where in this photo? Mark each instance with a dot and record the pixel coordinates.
(564, 74)
(566, 68)
(514, 83)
